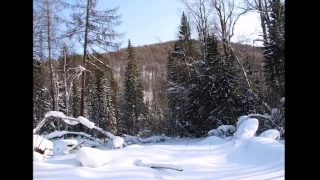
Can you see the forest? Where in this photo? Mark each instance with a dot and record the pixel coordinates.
(180, 88)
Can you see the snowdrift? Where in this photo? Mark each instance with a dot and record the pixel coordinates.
(257, 150)
(90, 157)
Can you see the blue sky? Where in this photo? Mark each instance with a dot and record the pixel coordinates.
(151, 21)
(146, 21)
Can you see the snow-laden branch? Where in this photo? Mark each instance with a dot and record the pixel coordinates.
(61, 133)
(71, 121)
(259, 115)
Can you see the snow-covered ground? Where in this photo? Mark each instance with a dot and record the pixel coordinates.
(205, 158)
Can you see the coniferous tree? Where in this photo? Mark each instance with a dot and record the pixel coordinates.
(201, 101)
(135, 109)
(178, 78)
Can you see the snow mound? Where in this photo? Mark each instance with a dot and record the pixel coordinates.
(117, 142)
(86, 122)
(247, 128)
(212, 140)
(42, 143)
(90, 157)
(37, 156)
(271, 133)
(257, 150)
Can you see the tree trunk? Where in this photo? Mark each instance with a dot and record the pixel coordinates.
(53, 84)
(84, 62)
(65, 83)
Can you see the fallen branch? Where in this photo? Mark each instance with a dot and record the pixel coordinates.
(138, 162)
(71, 121)
(73, 147)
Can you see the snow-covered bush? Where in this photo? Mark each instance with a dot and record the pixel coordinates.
(271, 133)
(222, 131)
(247, 128)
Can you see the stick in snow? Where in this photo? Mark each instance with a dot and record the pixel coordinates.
(73, 147)
(138, 162)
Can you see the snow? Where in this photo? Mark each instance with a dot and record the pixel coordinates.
(223, 130)
(226, 128)
(241, 119)
(264, 149)
(42, 143)
(117, 142)
(131, 139)
(211, 140)
(65, 142)
(90, 157)
(61, 133)
(282, 100)
(59, 149)
(37, 156)
(254, 158)
(70, 122)
(55, 114)
(213, 132)
(247, 128)
(271, 133)
(154, 139)
(86, 122)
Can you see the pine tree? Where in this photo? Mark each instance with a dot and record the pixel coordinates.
(111, 115)
(135, 109)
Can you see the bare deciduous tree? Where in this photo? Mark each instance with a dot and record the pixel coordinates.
(94, 29)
